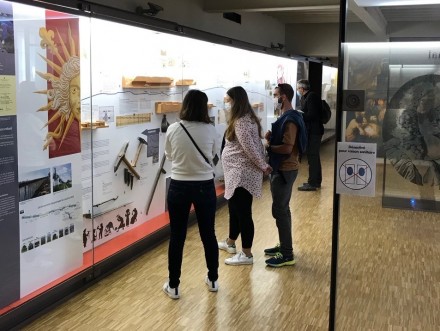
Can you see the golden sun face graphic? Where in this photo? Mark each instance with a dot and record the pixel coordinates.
(64, 94)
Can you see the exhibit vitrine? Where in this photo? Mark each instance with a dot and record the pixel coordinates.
(391, 100)
(84, 108)
(385, 244)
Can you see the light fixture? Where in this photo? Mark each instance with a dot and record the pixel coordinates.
(391, 3)
(279, 46)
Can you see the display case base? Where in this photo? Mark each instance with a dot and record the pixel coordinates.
(411, 204)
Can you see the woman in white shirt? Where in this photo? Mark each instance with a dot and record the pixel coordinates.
(192, 183)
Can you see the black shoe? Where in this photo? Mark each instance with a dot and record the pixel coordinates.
(273, 250)
(307, 187)
(317, 186)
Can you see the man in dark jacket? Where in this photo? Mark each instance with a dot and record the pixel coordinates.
(311, 105)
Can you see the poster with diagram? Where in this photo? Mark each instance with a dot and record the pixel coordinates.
(49, 146)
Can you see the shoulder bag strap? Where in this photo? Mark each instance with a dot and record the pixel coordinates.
(200, 151)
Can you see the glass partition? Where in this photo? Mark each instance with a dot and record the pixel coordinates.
(138, 89)
(389, 241)
(84, 111)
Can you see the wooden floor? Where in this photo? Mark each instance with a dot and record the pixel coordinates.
(389, 275)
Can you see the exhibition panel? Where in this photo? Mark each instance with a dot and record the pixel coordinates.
(42, 161)
(85, 106)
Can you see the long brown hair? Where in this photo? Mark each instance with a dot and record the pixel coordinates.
(240, 108)
(195, 107)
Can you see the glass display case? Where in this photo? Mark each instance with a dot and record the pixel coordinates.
(391, 100)
(387, 258)
(85, 105)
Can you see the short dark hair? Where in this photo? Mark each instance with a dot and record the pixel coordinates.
(195, 107)
(287, 90)
(304, 83)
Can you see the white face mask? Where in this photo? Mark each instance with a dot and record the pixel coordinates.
(228, 106)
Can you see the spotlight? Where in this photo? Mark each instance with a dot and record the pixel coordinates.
(152, 11)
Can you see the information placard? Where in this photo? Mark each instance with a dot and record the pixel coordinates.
(356, 169)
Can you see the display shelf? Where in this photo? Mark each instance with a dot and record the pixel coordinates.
(133, 119)
(146, 82)
(93, 125)
(162, 107)
(185, 82)
(258, 106)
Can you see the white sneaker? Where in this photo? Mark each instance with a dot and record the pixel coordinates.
(239, 259)
(228, 248)
(173, 293)
(212, 285)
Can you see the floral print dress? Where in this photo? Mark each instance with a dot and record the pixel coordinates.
(243, 159)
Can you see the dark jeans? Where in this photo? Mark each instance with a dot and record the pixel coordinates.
(240, 217)
(181, 195)
(281, 183)
(314, 160)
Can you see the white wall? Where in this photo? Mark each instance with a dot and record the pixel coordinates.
(255, 28)
(359, 32)
(414, 29)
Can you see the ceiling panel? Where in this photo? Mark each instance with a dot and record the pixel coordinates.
(306, 16)
(411, 13)
(420, 13)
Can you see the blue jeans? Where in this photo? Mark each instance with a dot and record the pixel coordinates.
(281, 184)
(181, 195)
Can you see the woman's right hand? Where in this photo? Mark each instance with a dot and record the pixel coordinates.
(268, 135)
(268, 170)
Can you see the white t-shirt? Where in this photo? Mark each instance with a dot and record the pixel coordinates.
(187, 162)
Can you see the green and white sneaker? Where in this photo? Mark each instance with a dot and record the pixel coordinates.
(280, 261)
